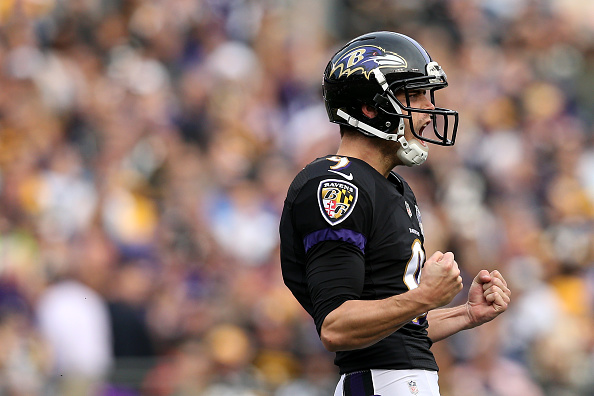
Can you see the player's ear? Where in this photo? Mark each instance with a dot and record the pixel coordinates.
(368, 111)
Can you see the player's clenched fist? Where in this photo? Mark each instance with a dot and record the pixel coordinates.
(488, 297)
(440, 280)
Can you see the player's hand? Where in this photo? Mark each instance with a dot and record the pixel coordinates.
(488, 297)
(440, 280)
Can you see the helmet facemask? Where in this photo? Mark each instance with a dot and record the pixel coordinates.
(393, 110)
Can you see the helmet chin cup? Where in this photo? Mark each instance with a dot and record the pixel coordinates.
(411, 153)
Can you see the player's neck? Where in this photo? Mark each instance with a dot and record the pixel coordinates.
(372, 151)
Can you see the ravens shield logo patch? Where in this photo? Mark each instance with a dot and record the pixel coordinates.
(336, 199)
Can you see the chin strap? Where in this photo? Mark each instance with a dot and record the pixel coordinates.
(352, 121)
(411, 153)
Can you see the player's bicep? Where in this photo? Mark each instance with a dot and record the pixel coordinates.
(335, 273)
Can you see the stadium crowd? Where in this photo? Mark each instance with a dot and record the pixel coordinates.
(146, 147)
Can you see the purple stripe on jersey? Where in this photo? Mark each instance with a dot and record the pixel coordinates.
(330, 234)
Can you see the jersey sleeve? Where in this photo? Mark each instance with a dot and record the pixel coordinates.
(335, 273)
(333, 219)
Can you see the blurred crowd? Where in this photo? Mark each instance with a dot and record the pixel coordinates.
(146, 147)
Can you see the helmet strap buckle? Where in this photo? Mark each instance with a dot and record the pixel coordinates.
(404, 144)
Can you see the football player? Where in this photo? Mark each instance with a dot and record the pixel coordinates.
(351, 232)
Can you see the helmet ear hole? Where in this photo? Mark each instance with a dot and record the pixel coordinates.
(369, 111)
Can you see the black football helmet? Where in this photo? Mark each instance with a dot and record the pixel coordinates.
(372, 69)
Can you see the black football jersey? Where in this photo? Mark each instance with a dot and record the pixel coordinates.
(347, 232)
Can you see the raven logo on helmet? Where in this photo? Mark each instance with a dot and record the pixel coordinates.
(364, 59)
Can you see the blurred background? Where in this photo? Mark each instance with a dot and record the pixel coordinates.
(146, 147)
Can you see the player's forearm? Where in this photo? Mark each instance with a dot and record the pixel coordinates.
(360, 323)
(445, 322)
